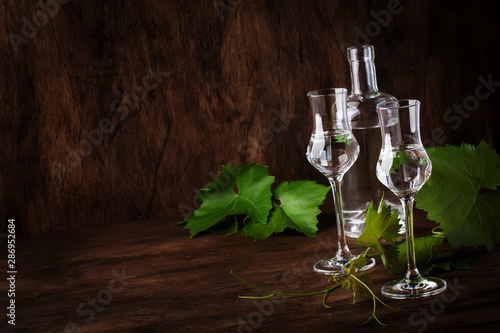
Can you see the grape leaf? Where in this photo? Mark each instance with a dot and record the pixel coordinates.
(297, 209)
(399, 159)
(227, 226)
(454, 260)
(462, 194)
(423, 254)
(219, 199)
(381, 224)
(426, 261)
(343, 138)
(350, 283)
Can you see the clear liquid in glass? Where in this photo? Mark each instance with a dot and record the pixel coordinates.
(332, 152)
(404, 168)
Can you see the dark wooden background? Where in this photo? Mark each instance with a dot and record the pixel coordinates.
(230, 74)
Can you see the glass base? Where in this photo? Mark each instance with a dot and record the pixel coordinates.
(425, 287)
(335, 266)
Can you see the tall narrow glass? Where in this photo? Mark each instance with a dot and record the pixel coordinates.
(403, 167)
(332, 150)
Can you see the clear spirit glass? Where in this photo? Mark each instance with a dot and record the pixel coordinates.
(403, 167)
(332, 150)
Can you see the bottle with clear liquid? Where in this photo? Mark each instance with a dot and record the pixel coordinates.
(360, 185)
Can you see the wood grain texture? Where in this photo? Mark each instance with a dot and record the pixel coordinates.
(168, 282)
(231, 80)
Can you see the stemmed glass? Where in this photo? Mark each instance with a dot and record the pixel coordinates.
(404, 166)
(332, 150)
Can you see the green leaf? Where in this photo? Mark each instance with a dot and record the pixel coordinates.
(297, 209)
(381, 224)
(424, 247)
(227, 226)
(427, 262)
(246, 192)
(462, 194)
(454, 260)
(358, 290)
(343, 138)
(350, 283)
(219, 199)
(400, 158)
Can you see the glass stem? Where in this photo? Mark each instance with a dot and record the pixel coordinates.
(412, 274)
(343, 252)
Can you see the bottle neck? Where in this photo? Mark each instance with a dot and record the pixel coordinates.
(363, 76)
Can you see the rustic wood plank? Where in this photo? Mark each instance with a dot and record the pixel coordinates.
(181, 284)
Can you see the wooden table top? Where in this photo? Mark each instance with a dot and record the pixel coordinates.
(150, 276)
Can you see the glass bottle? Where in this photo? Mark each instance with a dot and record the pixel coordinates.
(360, 185)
